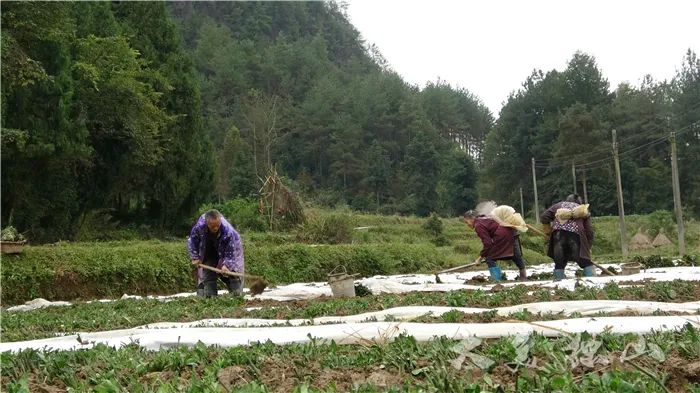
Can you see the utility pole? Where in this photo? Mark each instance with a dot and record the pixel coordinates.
(573, 176)
(585, 190)
(620, 202)
(534, 185)
(677, 195)
(522, 205)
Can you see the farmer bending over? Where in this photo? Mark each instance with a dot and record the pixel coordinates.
(214, 242)
(499, 243)
(572, 235)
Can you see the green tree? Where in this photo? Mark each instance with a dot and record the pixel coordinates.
(422, 169)
(686, 115)
(184, 178)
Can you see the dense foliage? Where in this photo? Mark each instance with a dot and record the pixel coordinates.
(138, 113)
(564, 118)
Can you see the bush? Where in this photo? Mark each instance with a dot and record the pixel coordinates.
(242, 213)
(332, 229)
(441, 241)
(433, 225)
(10, 234)
(653, 261)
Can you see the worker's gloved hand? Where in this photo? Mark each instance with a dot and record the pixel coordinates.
(196, 262)
(478, 259)
(224, 268)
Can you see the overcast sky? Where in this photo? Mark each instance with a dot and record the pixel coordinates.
(490, 47)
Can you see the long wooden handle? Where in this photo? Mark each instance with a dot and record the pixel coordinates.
(227, 272)
(608, 272)
(458, 268)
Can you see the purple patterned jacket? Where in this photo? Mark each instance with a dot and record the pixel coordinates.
(230, 245)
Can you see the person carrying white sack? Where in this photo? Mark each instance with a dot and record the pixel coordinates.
(499, 233)
(572, 235)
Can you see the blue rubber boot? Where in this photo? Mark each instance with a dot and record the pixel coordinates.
(588, 271)
(559, 274)
(495, 273)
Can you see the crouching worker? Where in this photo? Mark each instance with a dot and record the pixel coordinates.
(214, 242)
(571, 237)
(499, 243)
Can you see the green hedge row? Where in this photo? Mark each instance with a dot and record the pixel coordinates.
(96, 270)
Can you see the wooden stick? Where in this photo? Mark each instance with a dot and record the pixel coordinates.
(539, 232)
(257, 284)
(454, 269)
(228, 272)
(608, 272)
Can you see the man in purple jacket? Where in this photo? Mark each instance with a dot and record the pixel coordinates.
(499, 243)
(570, 240)
(214, 242)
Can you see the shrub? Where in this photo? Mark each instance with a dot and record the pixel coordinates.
(433, 225)
(10, 234)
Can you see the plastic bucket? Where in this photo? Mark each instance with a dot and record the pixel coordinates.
(342, 284)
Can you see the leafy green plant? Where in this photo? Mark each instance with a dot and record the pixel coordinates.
(536, 363)
(434, 226)
(653, 261)
(689, 342)
(10, 234)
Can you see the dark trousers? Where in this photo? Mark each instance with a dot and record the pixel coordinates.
(517, 256)
(208, 286)
(565, 248)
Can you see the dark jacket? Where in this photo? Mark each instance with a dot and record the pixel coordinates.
(497, 240)
(585, 232)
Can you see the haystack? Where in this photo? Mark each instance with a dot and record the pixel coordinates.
(640, 241)
(661, 240)
(278, 204)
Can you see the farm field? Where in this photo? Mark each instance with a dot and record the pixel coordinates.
(403, 332)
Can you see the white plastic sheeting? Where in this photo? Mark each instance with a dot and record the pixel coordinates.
(566, 308)
(450, 282)
(37, 304)
(426, 283)
(352, 333)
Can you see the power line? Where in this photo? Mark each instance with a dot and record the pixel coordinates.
(560, 162)
(586, 165)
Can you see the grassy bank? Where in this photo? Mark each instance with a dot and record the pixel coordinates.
(365, 244)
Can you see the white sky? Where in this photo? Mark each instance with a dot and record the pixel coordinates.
(491, 46)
